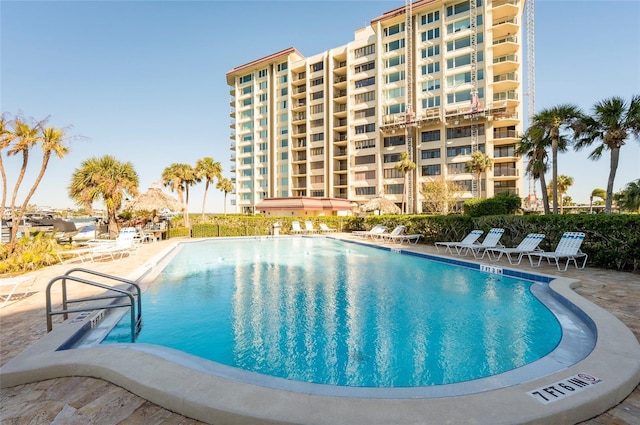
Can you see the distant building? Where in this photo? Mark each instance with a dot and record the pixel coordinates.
(439, 86)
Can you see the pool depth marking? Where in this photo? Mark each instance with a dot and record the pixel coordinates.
(564, 388)
(490, 269)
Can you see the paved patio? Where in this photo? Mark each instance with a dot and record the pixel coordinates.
(80, 400)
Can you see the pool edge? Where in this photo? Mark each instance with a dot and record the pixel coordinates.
(214, 399)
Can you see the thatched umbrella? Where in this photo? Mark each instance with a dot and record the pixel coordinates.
(154, 199)
(383, 205)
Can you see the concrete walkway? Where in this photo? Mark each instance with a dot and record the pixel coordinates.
(81, 400)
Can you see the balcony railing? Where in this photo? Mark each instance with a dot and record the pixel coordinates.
(503, 134)
(505, 58)
(505, 172)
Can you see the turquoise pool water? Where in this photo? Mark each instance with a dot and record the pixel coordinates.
(324, 311)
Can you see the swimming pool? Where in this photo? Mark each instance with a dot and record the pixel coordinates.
(321, 311)
(215, 393)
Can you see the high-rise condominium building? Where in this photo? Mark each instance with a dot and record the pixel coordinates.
(437, 84)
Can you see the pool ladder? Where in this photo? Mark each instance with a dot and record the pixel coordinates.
(119, 296)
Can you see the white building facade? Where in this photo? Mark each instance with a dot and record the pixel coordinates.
(440, 85)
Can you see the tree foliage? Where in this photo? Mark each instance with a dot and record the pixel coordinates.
(440, 196)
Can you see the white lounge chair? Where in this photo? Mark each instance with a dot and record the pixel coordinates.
(295, 228)
(471, 238)
(492, 240)
(527, 245)
(13, 283)
(568, 248)
(326, 229)
(395, 232)
(70, 255)
(308, 227)
(401, 237)
(375, 230)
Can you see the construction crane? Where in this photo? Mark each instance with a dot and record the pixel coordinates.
(410, 123)
(531, 77)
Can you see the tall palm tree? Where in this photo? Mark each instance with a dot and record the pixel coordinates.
(405, 166)
(25, 136)
(555, 121)
(612, 123)
(7, 136)
(534, 145)
(207, 169)
(178, 177)
(226, 186)
(478, 164)
(105, 179)
(596, 193)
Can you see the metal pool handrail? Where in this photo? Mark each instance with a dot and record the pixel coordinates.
(136, 318)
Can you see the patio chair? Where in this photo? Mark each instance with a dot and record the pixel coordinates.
(295, 228)
(492, 240)
(70, 255)
(471, 238)
(395, 232)
(401, 237)
(14, 283)
(375, 230)
(326, 229)
(568, 248)
(308, 227)
(527, 245)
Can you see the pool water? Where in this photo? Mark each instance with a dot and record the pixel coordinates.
(324, 311)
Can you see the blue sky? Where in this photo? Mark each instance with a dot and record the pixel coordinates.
(145, 80)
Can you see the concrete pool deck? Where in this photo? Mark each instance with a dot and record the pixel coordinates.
(95, 400)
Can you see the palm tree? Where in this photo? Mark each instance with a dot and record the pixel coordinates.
(226, 186)
(178, 177)
(6, 138)
(554, 121)
(612, 123)
(24, 136)
(207, 169)
(405, 166)
(534, 145)
(564, 183)
(629, 198)
(596, 193)
(478, 164)
(105, 179)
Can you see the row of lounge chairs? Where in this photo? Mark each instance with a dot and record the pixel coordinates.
(568, 248)
(397, 235)
(127, 243)
(296, 229)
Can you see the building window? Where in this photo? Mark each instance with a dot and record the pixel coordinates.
(504, 151)
(317, 81)
(431, 34)
(262, 73)
(391, 173)
(391, 157)
(282, 66)
(263, 158)
(430, 170)
(316, 109)
(365, 159)
(394, 189)
(431, 102)
(247, 90)
(365, 175)
(431, 68)
(319, 66)
(247, 102)
(284, 143)
(394, 109)
(316, 179)
(247, 137)
(366, 128)
(365, 82)
(317, 123)
(430, 136)
(394, 29)
(365, 67)
(431, 85)
(463, 78)
(262, 122)
(247, 149)
(463, 60)
(262, 97)
(394, 45)
(283, 104)
(430, 154)
(263, 146)
(363, 113)
(365, 97)
(368, 190)
(464, 131)
(462, 25)
(317, 151)
(394, 93)
(317, 137)
(283, 79)
(457, 168)
(364, 51)
(395, 61)
(462, 150)
(284, 91)
(394, 141)
(364, 144)
(317, 95)
(394, 77)
(463, 96)
(430, 17)
(284, 155)
(246, 78)
(262, 109)
(317, 165)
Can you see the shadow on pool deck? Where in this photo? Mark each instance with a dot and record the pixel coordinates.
(81, 400)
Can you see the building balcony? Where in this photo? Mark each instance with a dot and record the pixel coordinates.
(504, 64)
(504, 134)
(297, 117)
(339, 94)
(505, 26)
(299, 92)
(505, 8)
(342, 152)
(505, 82)
(505, 45)
(509, 172)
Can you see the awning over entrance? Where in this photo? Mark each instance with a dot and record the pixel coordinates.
(304, 205)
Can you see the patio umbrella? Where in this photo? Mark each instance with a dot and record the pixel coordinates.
(383, 205)
(154, 199)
